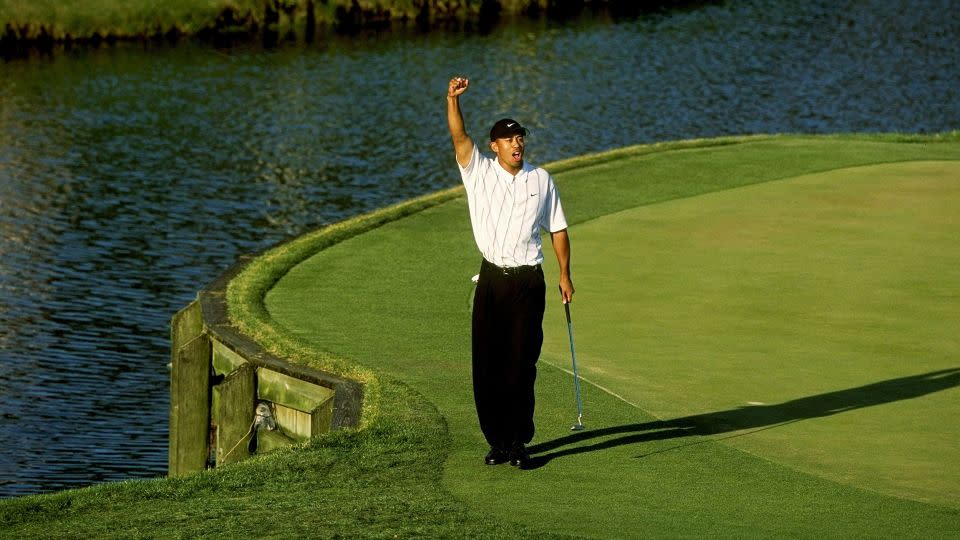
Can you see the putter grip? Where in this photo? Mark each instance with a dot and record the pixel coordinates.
(566, 306)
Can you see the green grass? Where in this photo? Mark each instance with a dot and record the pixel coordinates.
(679, 455)
(60, 20)
(411, 277)
(796, 295)
(375, 483)
(78, 20)
(140, 18)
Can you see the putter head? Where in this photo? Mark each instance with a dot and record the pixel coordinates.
(577, 427)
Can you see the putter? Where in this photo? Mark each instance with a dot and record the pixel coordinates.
(576, 375)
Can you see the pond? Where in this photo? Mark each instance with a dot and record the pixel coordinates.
(132, 175)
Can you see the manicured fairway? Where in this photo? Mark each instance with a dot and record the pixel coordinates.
(779, 317)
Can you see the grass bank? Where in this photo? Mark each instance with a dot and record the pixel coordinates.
(384, 296)
(44, 22)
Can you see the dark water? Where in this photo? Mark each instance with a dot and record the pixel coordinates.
(132, 176)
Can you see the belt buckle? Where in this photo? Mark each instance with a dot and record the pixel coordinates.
(514, 270)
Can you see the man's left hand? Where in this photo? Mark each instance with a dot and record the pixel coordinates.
(566, 290)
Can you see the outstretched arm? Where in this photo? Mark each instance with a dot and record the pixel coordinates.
(461, 141)
(561, 246)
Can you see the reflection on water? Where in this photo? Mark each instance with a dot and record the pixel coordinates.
(131, 176)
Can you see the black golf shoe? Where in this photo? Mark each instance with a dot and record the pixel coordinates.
(496, 456)
(519, 456)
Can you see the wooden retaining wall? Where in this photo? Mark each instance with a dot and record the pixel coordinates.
(218, 377)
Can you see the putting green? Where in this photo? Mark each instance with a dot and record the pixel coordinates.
(778, 316)
(774, 308)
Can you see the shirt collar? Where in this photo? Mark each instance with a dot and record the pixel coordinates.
(505, 175)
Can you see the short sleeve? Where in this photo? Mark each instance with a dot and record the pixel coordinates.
(469, 173)
(553, 219)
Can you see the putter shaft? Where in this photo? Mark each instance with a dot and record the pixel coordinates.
(576, 375)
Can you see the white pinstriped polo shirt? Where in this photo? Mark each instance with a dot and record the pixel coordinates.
(508, 211)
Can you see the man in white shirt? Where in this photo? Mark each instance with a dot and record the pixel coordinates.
(509, 201)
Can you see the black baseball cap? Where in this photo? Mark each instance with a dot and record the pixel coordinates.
(506, 128)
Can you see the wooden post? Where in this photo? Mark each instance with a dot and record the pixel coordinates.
(233, 412)
(189, 406)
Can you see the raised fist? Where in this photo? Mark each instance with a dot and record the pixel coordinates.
(458, 85)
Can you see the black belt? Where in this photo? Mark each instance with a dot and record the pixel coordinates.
(512, 270)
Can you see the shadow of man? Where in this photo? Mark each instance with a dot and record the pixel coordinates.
(754, 417)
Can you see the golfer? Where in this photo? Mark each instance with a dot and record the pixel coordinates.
(509, 202)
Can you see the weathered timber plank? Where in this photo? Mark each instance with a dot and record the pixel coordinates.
(271, 440)
(189, 407)
(186, 325)
(321, 419)
(225, 360)
(294, 423)
(290, 392)
(233, 414)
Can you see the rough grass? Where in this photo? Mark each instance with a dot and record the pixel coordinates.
(108, 18)
(377, 483)
(141, 18)
(58, 20)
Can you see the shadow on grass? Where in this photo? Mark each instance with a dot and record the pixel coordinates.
(753, 418)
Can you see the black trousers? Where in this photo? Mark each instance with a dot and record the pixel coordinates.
(507, 336)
